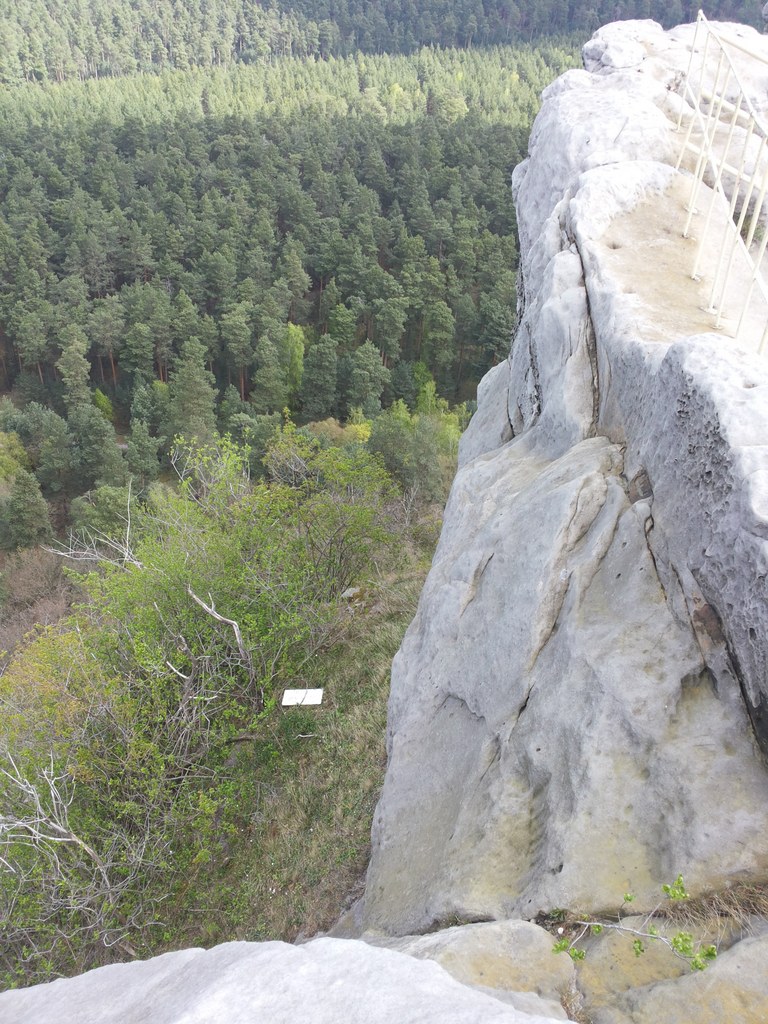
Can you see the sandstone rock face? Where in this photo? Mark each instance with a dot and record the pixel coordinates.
(612, 976)
(511, 959)
(322, 982)
(734, 988)
(578, 707)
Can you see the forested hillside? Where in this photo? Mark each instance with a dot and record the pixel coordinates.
(54, 39)
(197, 251)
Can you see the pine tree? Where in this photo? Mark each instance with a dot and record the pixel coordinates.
(192, 395)
(318, 386)
(74, 367)
(269, 392)
(291, 354)
(142, 452)
(96, 457)
(237, 339)
(368, 378)
(106, 327)
(24, 515)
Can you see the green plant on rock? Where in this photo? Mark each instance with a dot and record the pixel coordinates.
(682, 944)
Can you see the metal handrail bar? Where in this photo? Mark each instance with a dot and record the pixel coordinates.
(717, 187)
(733, 44)
(725, 45)
(715, 114)
(731, 169)
(717, 303)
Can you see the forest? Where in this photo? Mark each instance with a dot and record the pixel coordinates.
(254, 260)
(196, 252)
(54, 40)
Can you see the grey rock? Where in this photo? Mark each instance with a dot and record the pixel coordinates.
(611, 967)
(511, 959)
(578, 707)
(322, 982)
(733, 989)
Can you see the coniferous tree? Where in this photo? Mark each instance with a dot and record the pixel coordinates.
(192, 395)
(329, 204)
(269, 392)
(318, 388)
(74, 367)
(367, 380)
(237, 340)
(291, 355)
(95, 455)
(106, 326)
(142, 453)
(24, 516)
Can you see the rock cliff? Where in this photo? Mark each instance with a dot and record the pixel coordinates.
(580, 706)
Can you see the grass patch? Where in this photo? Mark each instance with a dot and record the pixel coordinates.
(737, 907)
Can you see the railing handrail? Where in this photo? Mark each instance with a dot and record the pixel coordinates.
(726, 106)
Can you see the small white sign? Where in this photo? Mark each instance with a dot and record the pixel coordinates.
(291, 697)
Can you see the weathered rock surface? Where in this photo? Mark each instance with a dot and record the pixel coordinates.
(734, 988)
(577, 708)
(322, 982)
(511, 959)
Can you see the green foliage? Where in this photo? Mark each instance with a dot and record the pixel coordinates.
(105, 511)
(681, 943)
(206, 230)
(208, 599)
(104, 405)
(12, 456)
(47, 42)
(367, 380)
(191, 395)
(675, 891)
(24, 516)
(419, 450)
(341, 522)
(310, 242)
(703, 957)
(318, 390)
(269, 384)
(73, 366)
(141, 453)
(291, 353)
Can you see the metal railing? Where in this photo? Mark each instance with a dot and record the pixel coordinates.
(729, 141)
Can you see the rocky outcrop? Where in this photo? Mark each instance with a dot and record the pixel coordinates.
(509, 959)
(578, 708)
(322, 982)
(735, 988)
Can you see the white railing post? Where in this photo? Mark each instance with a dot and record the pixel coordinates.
(738, 182)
